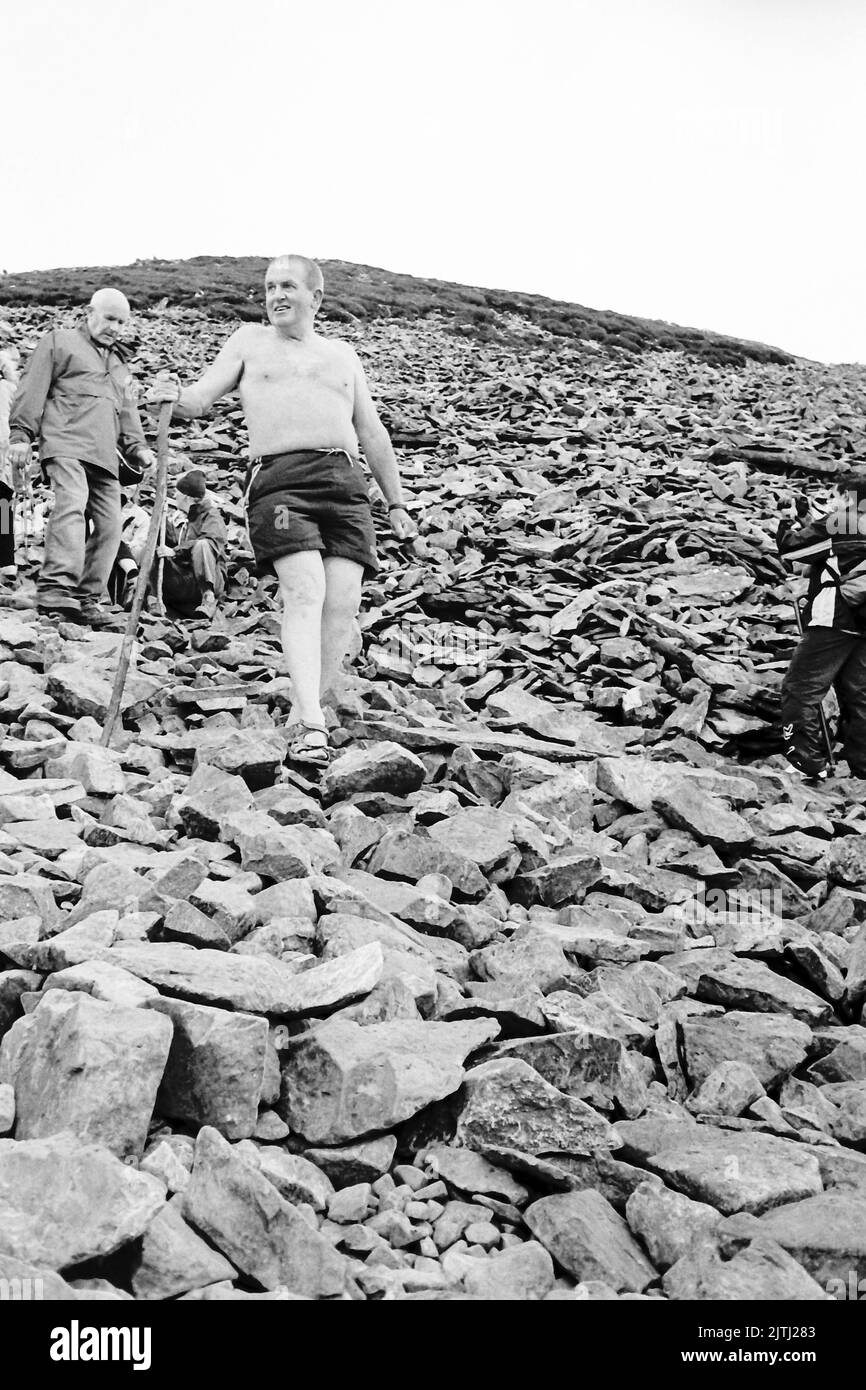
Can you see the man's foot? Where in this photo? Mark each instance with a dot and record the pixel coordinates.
(207, 605)
(309, 744)
(100, 618)
(59, 612)
(810, 769)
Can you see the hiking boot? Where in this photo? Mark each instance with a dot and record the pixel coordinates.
(100, 618)
(207, 605)
(58, 613)
(810, 769)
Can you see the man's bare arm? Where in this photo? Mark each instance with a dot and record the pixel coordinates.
(222, 376)
(375, 440)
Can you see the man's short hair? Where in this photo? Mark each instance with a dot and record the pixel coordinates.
(312, 270)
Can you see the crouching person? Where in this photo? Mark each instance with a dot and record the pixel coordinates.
(194, 564)
(832, 649)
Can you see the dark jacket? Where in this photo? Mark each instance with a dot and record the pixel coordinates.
(203, 523)
(77, 399)
(836, 556)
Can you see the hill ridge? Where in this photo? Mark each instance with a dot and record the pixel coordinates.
(361, 292)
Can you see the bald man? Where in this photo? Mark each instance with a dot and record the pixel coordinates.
(77, 400)
(308, 412)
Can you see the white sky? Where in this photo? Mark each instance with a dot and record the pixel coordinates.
(700, 161)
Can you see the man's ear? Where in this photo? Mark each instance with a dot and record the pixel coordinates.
(317, 300)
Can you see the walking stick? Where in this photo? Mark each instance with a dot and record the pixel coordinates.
(28, 519)
(143, 580)
(159, 605)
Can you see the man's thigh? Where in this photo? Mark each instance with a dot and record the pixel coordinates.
(68, 478)
(851, 681)
(817, 661)
(104, 500)
(301, 576)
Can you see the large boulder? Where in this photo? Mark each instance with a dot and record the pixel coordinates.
(507, 1105)
(63, 1201)
(241, 1212)
(343, 1081)
(590, 1240)
(384, 766)
(215, 1068)
(86, 1067)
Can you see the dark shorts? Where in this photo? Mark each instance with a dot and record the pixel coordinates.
(312, 499)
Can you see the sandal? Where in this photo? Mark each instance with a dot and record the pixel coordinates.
(303, 748)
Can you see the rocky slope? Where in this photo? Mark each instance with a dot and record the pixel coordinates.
(552, 985)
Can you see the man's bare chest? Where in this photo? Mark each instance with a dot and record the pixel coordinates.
(290, 371)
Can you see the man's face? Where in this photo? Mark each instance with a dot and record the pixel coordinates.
(183, 502)
(107, 323)
(289, 300)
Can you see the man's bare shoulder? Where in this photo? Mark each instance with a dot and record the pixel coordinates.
(342, 353)
(337, 348)
(249, 337)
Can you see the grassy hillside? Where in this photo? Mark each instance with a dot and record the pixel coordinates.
(226, 287)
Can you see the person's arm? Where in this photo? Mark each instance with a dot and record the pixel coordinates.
(378, 450)
(211, 527)
(131, 433)
(222, 376)
(25, 416)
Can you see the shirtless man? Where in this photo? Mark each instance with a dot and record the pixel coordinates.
(307, 409)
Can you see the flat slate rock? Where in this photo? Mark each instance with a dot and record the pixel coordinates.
(826, 1234)
(771, 1044)
(762, 1271)
(253, 984)
(738, 1171)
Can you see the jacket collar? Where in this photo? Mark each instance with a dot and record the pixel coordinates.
(100, 347)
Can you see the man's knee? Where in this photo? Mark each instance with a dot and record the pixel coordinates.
(342, 591)
(302, 589)
(341, 606)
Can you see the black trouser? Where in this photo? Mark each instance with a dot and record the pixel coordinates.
(7, 526)
(826, 658)
(187, 574)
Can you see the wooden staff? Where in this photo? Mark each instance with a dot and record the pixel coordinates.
(160, 605)
(156, 522)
